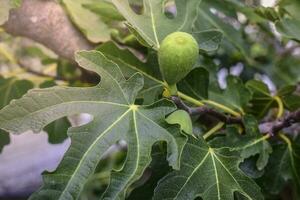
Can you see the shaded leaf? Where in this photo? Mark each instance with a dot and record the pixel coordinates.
(157, 170)
(10, 89)
(262, 100)
(283, 167)
(4, 139)
(250, 144)
(196, 83)
(235, 96)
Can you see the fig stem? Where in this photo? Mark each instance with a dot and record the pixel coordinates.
(173, 89)
(209, 102)
(213, 130)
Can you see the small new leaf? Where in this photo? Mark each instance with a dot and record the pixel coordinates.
(182, 118)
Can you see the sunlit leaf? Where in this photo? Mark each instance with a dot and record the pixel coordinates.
(115, 118)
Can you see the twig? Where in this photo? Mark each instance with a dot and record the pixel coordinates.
(206, 110)
(287, 121)
(274, 127)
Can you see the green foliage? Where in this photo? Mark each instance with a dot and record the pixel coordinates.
(220, 138)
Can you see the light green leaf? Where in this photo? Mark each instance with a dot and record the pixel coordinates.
(182, 118)
(87, 21)
(207, 173)
(104, 9)
(115, 117)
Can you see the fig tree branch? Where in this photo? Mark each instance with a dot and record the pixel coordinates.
(285, 122)
(271, 128)
(46, 22)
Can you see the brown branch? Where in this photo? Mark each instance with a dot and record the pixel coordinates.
(46, 22)
(285, 122)
(271, 128)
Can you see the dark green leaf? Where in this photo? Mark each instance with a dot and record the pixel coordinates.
(283, 167)
(207, 173)
(196, 83)
(235, 96)
(4, 139)
(250, 144)
(262, 100)
(12, 88)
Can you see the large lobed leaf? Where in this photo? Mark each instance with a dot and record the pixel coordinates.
(208, 173)
(153, 25)
(115, 117)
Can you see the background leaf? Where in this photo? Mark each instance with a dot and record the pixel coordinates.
(88, 22)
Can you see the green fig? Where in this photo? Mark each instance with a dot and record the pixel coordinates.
(177, 56)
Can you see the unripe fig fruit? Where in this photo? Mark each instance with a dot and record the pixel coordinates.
(177, 55)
